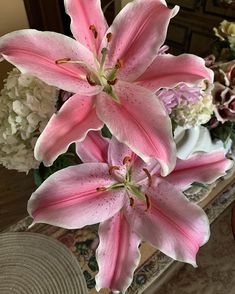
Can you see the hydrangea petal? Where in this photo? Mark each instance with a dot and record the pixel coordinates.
(141, 124)
(84, 14)
(73, 121)
(138, 31)
(117, 255)
(94, 148)
(168, 71)
(174, 225)
(36, 53)
(69, 198)
(201, 167)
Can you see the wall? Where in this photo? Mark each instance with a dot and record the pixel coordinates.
(13, 17)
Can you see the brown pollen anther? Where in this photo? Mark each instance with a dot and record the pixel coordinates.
(109, 37)
(132, 202)
(94, 31)
(119, 64)
(90, 81)
(127, 159)
(112, 168)
(148, 202)
(149, 176)
(101, 189)
(112, 83)
(62, 61)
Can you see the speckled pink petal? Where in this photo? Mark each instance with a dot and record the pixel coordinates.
(139, 31)
(69, 198)
(174, 225)
(76, 117)
(168, 71)
(36, 53)
(201, 167)
(140, 122)
(94, 148)
(117, 255)
(85, 13)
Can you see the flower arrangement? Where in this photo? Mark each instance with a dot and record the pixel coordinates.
(110, 145)
(27, 104)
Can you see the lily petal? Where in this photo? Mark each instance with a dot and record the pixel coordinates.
(138, 31)
(73, 121)
(117, 254)
(201, 167)
(174, 225)
(84, 14)
(140, 122)
(36, 53)
(94, 148)
(168, 71)
(69, 198)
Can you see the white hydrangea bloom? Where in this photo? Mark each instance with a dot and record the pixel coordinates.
(188, 115)
(26, 105)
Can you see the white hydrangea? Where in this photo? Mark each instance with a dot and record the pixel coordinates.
(187, 114)
(26, 105)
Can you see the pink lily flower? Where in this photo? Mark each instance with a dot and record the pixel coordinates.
(108, 69)
(132, 201)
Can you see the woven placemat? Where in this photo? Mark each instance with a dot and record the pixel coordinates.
(32, 263)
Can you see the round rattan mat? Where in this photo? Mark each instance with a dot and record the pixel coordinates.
(36, 264)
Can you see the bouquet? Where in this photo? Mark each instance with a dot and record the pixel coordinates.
(108, 153)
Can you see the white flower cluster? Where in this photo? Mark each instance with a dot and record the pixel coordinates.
(187, 114)
(26, 105)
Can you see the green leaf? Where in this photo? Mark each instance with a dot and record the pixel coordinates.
(37, 177)
(63, 161)
(106, 132)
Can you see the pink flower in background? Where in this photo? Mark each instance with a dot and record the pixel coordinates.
(132, 201)
(113, 72)
(172, 97)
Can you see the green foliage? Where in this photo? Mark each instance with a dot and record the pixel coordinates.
(65, 160)
(224, 132)
(106, 132)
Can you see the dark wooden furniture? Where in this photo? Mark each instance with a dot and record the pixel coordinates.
(192, 29)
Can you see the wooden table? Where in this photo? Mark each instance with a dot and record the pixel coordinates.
(15, 190)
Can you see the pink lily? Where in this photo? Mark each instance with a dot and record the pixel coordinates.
(107, 68)
(132, 201)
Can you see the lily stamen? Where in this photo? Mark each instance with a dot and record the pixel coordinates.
(90, 81)
(149, 176)
(113, 168)
(94, 31)
(63, 60)
(126, 160)
(109, 37)
(148, 202)
(112, 83)
(119, 64)
(101, 189)
(132, 202)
